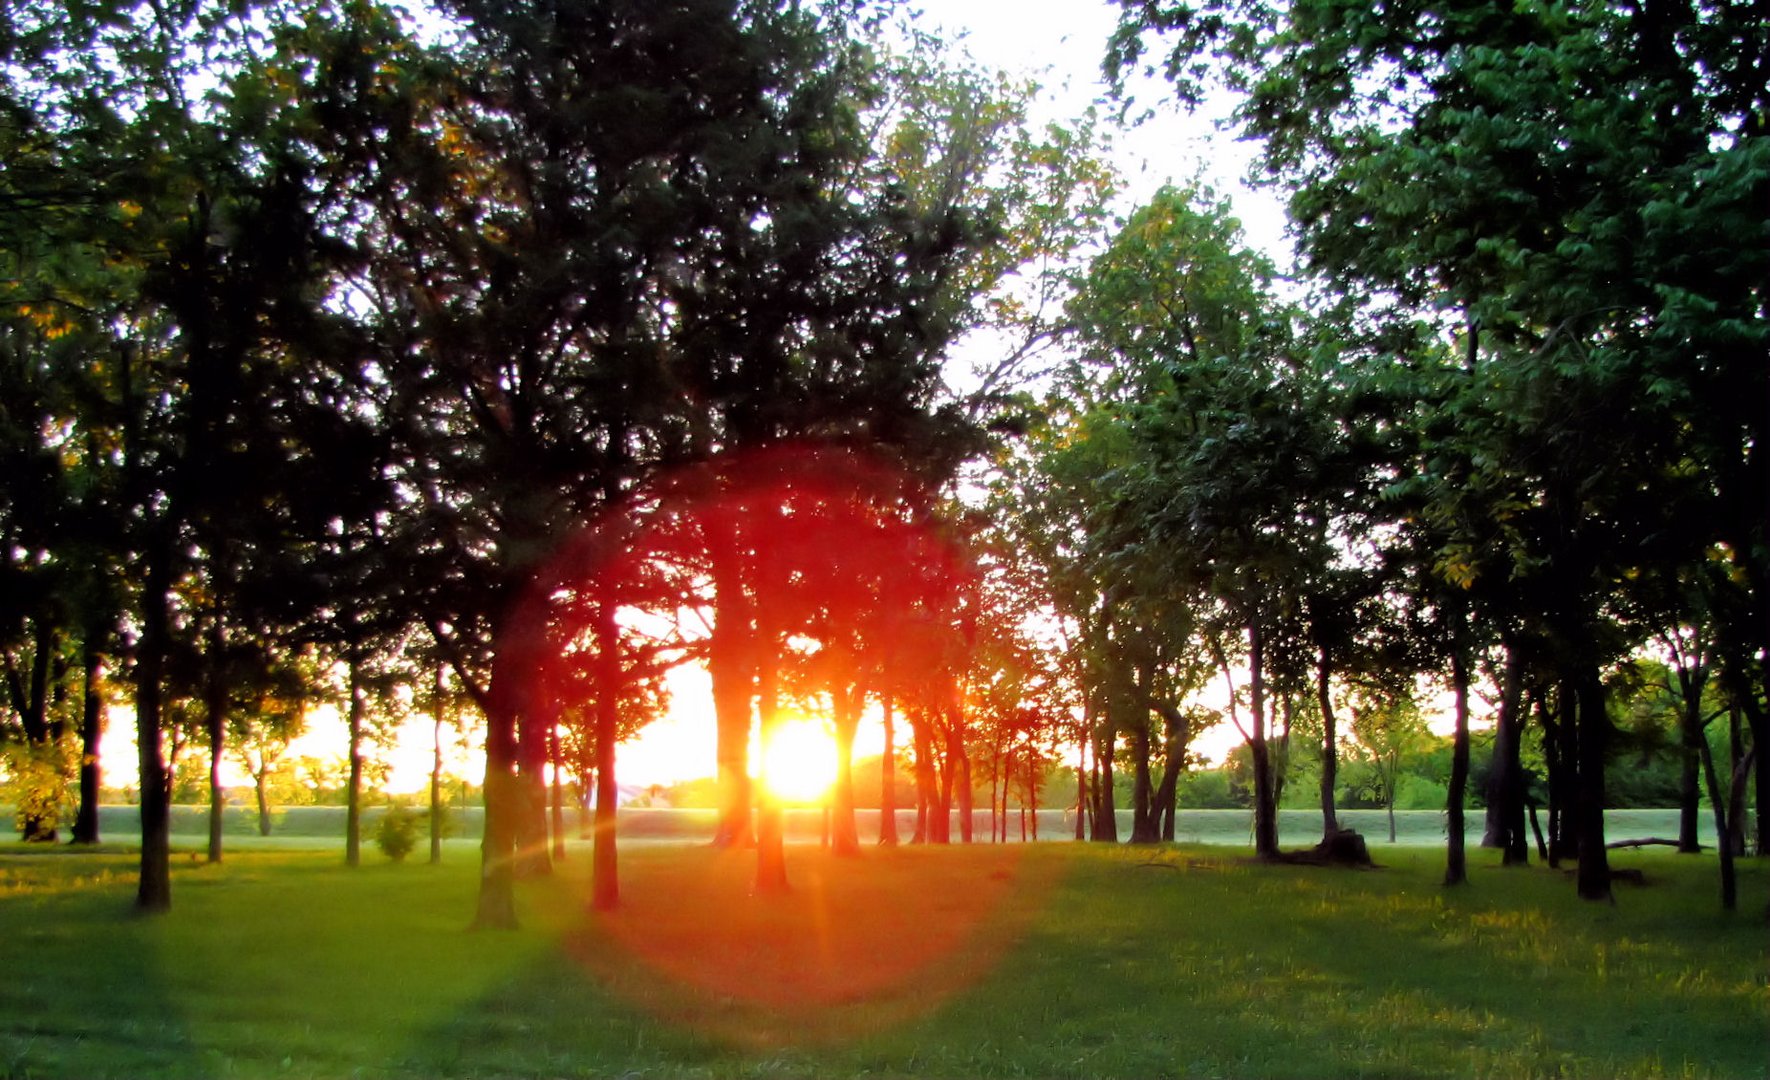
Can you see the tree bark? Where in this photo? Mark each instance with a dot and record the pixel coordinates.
(1143, 825)
(1106, 818)
(1330, 748)
(353, 799)
(1594, 728)
(436, 766)
(1265, 798)
(91, 730)
(844, 835)
(1724, 830)
(888, 777)
(731, 666)
(1456, 870)
(605, 882)
(215, 721)
(154, 888)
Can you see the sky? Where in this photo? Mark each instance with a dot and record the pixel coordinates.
(1058, 43)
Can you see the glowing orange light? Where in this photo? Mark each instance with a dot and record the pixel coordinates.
(799, 760)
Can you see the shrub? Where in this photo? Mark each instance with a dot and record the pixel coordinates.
(397, 833)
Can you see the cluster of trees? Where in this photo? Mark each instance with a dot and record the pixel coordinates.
(493, 360)
(1514, 435)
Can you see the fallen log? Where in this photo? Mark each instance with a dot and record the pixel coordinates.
(1651, 841)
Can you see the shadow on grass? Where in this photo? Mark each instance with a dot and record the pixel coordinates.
(104, 1005)
(695, 971)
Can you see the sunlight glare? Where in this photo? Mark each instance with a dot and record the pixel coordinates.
(799, 762)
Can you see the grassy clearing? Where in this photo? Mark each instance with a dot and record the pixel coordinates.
(1059, 960)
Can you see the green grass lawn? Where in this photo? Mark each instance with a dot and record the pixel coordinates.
(1052, 960)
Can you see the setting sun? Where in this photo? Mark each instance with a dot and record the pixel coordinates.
(799, 760)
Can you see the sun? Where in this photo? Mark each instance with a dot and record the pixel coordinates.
(799, 760)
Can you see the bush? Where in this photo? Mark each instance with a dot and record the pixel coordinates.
(397, 832)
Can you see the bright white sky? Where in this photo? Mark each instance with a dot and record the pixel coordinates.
(1059, 43)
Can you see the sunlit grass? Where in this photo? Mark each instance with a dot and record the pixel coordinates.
(1069, 960)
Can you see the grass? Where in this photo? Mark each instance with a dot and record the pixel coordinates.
(1050, 960)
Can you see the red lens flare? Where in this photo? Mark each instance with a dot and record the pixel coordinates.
(796, 574)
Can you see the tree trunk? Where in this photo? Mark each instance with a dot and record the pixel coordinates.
(1330, 748)
(1690, 732)
(1106, 819)
(731, 665)
(154, 889)
(1265, 798)
(959, 763)
(353, 810)
(1506, 782)
(771, 857)
(262, 797)
(436, 766)
(215, 722)
(925, 782)
(91, 730)
(844, 836)
(1456, 870)
(1724, 830)
(1594, 726)
(1082, 807)
(497, 901)
(888, 778)
(34, 717)
(1143, 826)
(556, 809)
(605, 882)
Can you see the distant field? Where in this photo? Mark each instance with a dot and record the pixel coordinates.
(1049, 960)
(1233, 827)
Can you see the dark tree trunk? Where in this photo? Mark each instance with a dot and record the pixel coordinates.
(215, 721)
(1143, 825)
(1560, 741)
(1330, 747)
(1178, 735)
(262, 798)
(605, 882)
(1724, 830)
(1736, 755)
(497, 901)
(436, 767)
(353, 799)
(940, 817)
(771, 857)
(34, 716)
(1265, 796)
(927, 786)
(959, 764)
(1082, 807)
(154, 890)
(1690, 736)
(844, 836)
(1456, 870)
(1594, 727)
(1505, 778)
(556, 809)
(91, 729)
(888, 778)
(1106, 818)
(731, 665)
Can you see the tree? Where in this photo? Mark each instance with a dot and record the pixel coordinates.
(1389, 728)
(1576, 186)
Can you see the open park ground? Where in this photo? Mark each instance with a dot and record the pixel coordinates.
(1014, 960)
